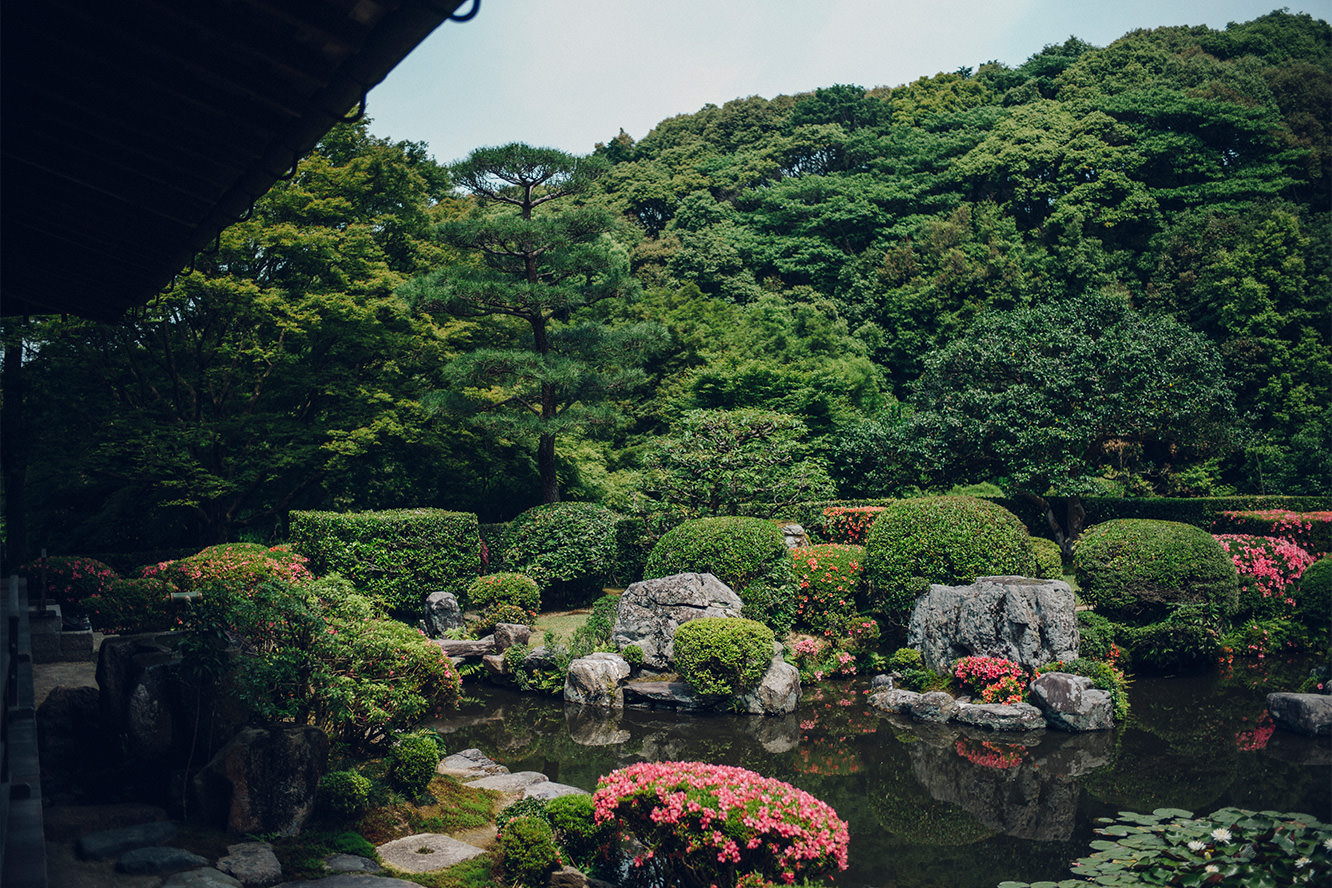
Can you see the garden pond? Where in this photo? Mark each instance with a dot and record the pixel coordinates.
(940, 805)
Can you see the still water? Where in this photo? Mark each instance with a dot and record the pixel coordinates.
(932, 805)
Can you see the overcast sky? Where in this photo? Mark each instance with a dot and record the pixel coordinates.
(571, 73)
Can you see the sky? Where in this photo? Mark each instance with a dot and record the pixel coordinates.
(571, 73)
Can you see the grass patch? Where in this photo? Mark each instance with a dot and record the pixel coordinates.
(560, 623)
(303, 856)
(447, 807)
(479, 872)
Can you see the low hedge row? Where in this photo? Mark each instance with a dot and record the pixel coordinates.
(397, 556)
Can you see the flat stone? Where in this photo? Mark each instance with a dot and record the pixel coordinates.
(423, 853)
(158, 861)
(470, 763)
(1305, 713)
(201, 878)
(933, 706)
(511, 783)
(351, 863)
(893, 700)
(1000, 716)
(547, 790)
(254, 863)
(467, 647)
(661, 695)
(111, 842)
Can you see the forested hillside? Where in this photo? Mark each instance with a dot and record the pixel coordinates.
(800, 254)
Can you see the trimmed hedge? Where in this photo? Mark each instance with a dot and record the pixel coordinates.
(747, 554)
(412, 763)
(568, 548)
(397, 556)
(1313, 597)
(722, 656)
(1205, 512)
(1049, 558)
(131, 606)
(1311, 531)
(941, 539)
(504, 588)
(1136, 571)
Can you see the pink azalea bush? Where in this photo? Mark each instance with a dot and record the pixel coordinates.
(69, 579)
(1268, 568)
(827, 580)
(240, 567)
(850, 524)
(1001, 679)
(1311, 531)
(719, 824)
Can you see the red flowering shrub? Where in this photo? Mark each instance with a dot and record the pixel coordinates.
(1311, 531)
(129, 606)
(850, 524)
(827, 584)
(715, 824)
(69, 579)
(999, 678)
(1268, 569)
(1000, 756)
(240, 567)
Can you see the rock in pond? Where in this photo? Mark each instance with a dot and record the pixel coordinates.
(1000, 717)
(1031, 622)
(933, 706)
(1070, 703)
(651, 610)
(594, 680)
(1305, 713)
(778, 691)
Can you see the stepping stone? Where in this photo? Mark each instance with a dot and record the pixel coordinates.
(201, 878)
(351, 863)
(510, 783)
(470, 763)
(424, 853)
(158, 861)
(109, 843)
(351, 880)
(547, 790)
(254, 863)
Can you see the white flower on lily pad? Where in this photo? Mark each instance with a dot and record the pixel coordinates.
(1211, 868)
(1221, 834)
(1197, 845)
(1302, 863)
(1327, 844)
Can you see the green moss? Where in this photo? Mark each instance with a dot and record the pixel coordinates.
(721, 656)
(1136, 571)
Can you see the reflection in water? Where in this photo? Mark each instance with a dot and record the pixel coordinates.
(939, 805)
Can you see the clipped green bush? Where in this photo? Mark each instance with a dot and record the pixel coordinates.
(344, 793)
(941, 539)
(721, 656)
(239, 568)
(130, 606)
(1313, 597)
(1049, 558)
(398, 557)
(747, 554)
(569, 549)
(504, 588)
(494, 614)
(1096, 636)
(412, 762)
(573, 819)
(527, 851)
(531, 807)
(1136, 570)
(1186, 641)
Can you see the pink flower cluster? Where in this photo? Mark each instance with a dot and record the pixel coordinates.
(696, 813)
(1268, 568)
(1000, 756)
(850, 524)
(828, 577)
(976, 674)
(69, 578)
(240, 566)
(1298, 527)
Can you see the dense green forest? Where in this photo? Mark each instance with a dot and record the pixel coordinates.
(852, 260)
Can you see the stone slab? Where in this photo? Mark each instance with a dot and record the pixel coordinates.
(206, 877)
(111, 842)
(422, 853)
(158, 861)
(1305, 713)
(351, 863)
(515, 783)
(352, 880)
(470, 763)
(547, 790)
(254, 863)
(661, 694)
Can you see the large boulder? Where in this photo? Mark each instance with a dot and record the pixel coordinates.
(443, 613)
(594, 680)
(651, 610)
(1070, 703)
(1303, 713)
(778, 691)
(264, 780)
(1000, 717)
(1028, 621)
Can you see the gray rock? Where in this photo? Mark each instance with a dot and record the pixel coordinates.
(514, 784)
(351, 863)
(568, 877)
(661, 695)
(651, 610)
(778, 692)
(543, 657)
(1070, 703)
(496, 669)
(443, 613)
(1000, 717)
(70, 735)
(254, 863)
(795, 536)
(595, 680)
(547, 790)
(471, 763)
(206, 877)
(467, 647)
(881, 681)
(893, 700)
(264, 780)
(1304, 713)
(509, 634)
(423, 853)
(933, 706)
(109, 843)
(158, 861)
(1031, 622)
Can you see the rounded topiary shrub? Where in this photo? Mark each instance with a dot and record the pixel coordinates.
(941, 539)
(412, 763)
(344, 793)
(569, 549)
(747, 554)
(504, 588)
(1049, 558)
(720, 656)
(528, 852)
(573, 818)
(1313, 596)
(1137, 570)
